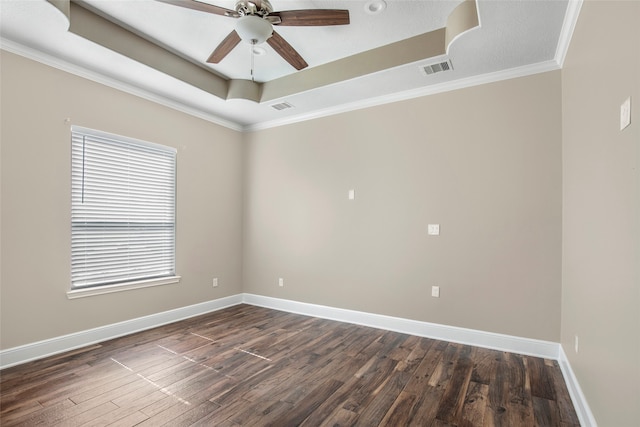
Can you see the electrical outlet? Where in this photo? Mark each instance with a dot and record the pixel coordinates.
(433, 229)
(281, 282)
(435, 291)
(215, 282)
(352, 194)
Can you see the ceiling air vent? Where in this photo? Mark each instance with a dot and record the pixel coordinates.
(281, 106)
(436, 68)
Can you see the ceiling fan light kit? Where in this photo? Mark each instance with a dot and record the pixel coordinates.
(253, 30)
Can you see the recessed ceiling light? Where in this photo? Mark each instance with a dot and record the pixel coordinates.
(374, 7)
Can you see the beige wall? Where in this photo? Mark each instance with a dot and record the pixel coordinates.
(601, 210)
(35, 180)
(483, 162)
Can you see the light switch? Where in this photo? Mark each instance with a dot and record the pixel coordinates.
(625, 113)
(435, 291)
(433, 229)
(352, 194)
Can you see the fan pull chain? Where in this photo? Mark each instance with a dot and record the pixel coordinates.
(253, 44)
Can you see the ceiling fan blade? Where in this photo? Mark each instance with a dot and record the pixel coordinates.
(224, 47)
(312, 17)
(287, 51)
(202, 7)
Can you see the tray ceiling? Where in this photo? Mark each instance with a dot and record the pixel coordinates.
(159, 51)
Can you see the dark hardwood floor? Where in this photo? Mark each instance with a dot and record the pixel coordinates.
(253, 366)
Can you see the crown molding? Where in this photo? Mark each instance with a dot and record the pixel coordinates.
(57, 63)
(541, 67)
(568, 25)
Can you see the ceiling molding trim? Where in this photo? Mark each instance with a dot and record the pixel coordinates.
(509, 74)
(64, 6)
(464, 18)
(244, 89)
(51, 61)
(109, 33)
(418, 48)
(38, 56)
(568, 25)
(97, 29)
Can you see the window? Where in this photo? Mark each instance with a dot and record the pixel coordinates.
(122, 210)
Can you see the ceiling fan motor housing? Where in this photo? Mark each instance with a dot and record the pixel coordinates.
(256, 7)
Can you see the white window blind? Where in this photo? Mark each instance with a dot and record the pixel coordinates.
(123, 209)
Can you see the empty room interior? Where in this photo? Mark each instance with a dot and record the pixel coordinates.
(455, 194)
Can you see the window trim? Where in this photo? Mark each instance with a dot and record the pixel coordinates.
(121, 287)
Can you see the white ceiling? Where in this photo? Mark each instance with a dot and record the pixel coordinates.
(515, 38)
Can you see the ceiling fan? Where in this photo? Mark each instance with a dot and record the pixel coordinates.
(256, 19)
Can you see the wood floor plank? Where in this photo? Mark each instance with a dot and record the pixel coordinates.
(423, 412)
(541, 382)
(41, 418)
(79, 415)
(452, 401)
(191, 415)
(475, 405)
(26, 410)
(261, 413)
(484, 362)
(252, 366)
(415, 357)
(333, 407)
(307, 405)
(563, 400)
(114, 420)
(498, 394)
(383, 398)
(520, 409)
(545, 412)
(399, 412)
(219, 416)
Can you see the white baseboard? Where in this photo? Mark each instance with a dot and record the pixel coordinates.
(473, 337)
(546, 349)
(532, 347)
(40, 349)
(580, 404)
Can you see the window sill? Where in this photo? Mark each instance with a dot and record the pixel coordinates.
(107, 289)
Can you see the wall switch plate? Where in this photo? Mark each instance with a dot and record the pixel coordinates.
(352, 194)
(280, 282)
(435, 291)
(215, 282)
(433, 229)
(576, 343)
(625, 113)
